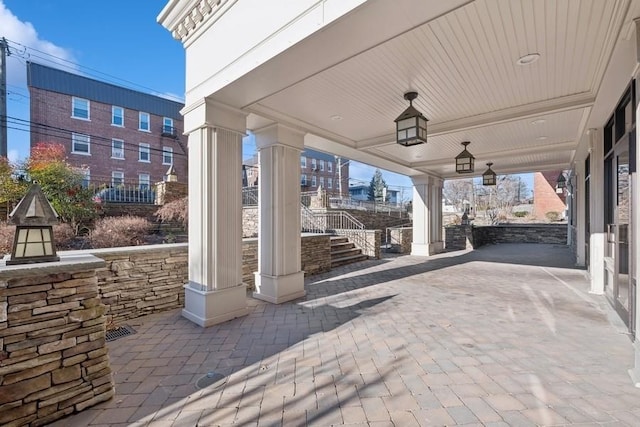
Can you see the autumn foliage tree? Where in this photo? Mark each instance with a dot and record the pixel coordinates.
(62, 184)
(11, 188)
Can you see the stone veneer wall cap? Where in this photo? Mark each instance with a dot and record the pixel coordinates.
(67, 264)
(124, 250)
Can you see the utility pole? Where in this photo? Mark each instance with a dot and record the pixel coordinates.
(4, 52)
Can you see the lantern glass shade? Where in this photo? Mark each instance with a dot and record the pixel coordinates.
(561, 182)
(489, 176)
(33, 244)
(411, 125)
(465, 160)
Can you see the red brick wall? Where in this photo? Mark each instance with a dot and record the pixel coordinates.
(545, 198)
(53, 110)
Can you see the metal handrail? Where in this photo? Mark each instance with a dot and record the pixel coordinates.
(250, 196)
(336, 222)
(309, 221)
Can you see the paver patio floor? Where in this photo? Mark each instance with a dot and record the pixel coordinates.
(506, 335)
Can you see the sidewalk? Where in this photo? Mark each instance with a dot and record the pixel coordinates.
(506, 335)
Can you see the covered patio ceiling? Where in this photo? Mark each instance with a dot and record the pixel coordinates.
(344, 83)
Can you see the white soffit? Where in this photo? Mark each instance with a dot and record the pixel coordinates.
(464, 67)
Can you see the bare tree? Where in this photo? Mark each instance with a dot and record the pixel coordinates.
(498, 201)
(457, 191)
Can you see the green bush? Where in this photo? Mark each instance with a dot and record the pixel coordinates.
(520, 214)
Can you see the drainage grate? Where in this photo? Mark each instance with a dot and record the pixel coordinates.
(119, 332)
(211, 378)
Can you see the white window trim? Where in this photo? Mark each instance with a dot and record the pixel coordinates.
(167, 150)
(313, 181)
(140, 113)
(118, 140)
(164, 124)
(73, 144)
(73, 116)
(321, 165)
(113, 108)
(329, 183)
(140, 147)
(147, 181)
(303, 162)
(303, 179)
(121, 177)
(329, 166)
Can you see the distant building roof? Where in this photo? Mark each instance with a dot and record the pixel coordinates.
(54, 80)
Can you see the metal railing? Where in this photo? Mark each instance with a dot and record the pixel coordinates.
(141, 194)
(250, 196)
(339, 223)
(366, 205)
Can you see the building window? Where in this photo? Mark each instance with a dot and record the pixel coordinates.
(329, 183)
(144, 181)
(314, 165)
(117, 116)
(117, 178)
(117, 149)
(80, 144)
(167, 155)
(167, 125)
(330, 166)
(303, 162)
(144, 153)
(86, 177)
(322, 181)
(321, 165)
(79, 108)
(143, 122)
(313, 180)
(303, 180)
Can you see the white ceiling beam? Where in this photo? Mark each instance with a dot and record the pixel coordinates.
(504, 154)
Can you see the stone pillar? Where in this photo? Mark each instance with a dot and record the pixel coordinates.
(421, 204)
(54, 359)
(215, 292)
(280, 277)
(598, 237)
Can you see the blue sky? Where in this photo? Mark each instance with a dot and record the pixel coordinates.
(116, 41)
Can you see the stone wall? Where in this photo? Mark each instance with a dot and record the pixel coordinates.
(459, 236)
(54, 357)
(141, 280)
(135, 209)
(316, 253)
(250, 221)
(400, 240)
(315, 256)
(168, 191)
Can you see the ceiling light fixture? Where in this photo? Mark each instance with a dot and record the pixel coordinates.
(411, 125)
(528, 59)
(465, 160)
(538, 121)
(489, 176)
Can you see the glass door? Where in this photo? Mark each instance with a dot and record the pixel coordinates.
(621, 289)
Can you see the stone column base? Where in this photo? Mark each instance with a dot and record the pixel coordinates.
(635, 372)
(208, 308)
(279, 289)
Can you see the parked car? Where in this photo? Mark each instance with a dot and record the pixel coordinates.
(125, 195)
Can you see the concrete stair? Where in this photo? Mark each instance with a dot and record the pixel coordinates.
(344, 252)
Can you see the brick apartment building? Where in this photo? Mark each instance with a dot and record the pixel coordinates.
(317, 169)
(545, 197)
(114, 134)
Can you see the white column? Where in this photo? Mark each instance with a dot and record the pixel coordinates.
(215, 292)
(421, 229)
(598, 237)
(579, 195)
(435, 216)
(280, 277)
